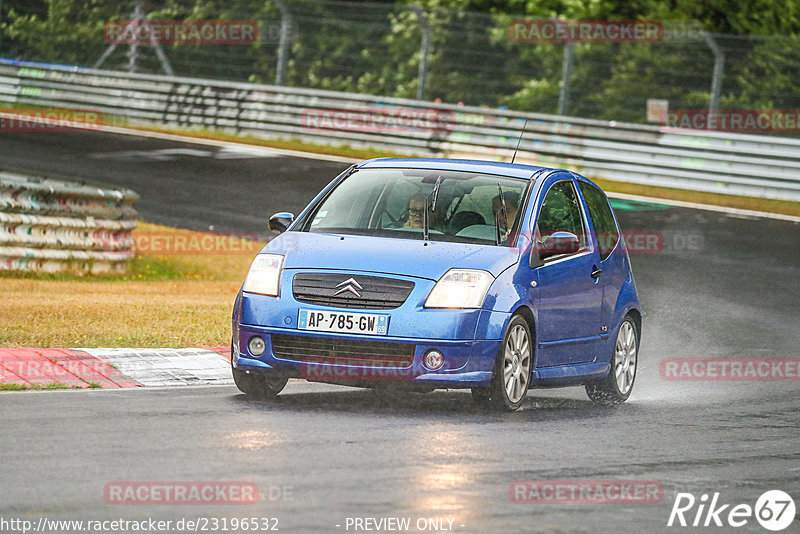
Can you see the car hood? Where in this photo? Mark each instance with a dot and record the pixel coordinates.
(407, 257)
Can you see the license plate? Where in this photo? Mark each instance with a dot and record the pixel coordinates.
(351, 323)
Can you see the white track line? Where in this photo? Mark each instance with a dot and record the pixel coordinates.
(232, 144)
(707, 207)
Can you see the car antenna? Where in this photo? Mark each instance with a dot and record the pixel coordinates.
(519, 141)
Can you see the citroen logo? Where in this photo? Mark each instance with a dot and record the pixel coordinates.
(349, 285)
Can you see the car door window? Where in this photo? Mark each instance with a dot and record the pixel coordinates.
(561, 212)
(605, 227)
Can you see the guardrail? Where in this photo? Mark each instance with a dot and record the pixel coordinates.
(752, 165)
(53, 225)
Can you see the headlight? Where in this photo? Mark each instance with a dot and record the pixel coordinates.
(460, 288)
(265, 275)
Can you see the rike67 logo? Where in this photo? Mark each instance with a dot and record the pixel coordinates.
(774, 510)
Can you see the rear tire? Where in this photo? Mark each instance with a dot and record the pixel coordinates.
(258, 385)
(617, 386)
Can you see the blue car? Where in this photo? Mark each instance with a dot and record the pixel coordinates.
(416, 274)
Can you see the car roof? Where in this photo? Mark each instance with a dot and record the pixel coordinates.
(514, 170)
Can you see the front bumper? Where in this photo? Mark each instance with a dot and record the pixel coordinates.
(468, 339)
(466, 363)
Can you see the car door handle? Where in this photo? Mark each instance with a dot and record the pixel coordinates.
(596, 273)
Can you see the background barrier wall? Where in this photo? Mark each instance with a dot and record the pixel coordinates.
(54, 225)
(742, 164)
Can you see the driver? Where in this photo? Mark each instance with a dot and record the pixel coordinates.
(416, 213)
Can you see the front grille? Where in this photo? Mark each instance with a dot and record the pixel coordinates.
(342, 351)
(376, 292)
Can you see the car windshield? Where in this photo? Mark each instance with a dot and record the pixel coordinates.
(462, 206)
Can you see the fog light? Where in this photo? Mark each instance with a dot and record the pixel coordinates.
(256, 346)
(433, 359)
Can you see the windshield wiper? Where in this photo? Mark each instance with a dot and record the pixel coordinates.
(497, 214)
(435, 195)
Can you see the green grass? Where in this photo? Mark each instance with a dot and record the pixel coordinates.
(167, 300)
(140, 268)
(53, 385)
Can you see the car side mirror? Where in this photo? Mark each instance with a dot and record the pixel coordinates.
(558, 243)
(281, 221)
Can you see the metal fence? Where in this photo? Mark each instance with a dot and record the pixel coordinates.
(726, 163)
(398, 50)
(54, 225)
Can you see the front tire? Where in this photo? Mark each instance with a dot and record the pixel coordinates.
(617, 386)
(258, 385)
(512, 370)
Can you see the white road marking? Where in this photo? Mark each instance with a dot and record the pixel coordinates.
(167, 367)
(171, 154)
(706, 207)
(244, 152)
(167, 154)
(231, 144)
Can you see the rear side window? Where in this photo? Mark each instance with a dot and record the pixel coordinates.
(603, 219)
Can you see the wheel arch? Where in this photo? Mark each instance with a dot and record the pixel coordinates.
(627, 303)
(636, 315)
(527, 314)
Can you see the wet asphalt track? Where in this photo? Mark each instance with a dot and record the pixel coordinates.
(723, 286)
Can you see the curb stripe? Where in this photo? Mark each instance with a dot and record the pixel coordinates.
(114, 368)
(7, 376)
(47, 366)
(168, 367)
(109, 373)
